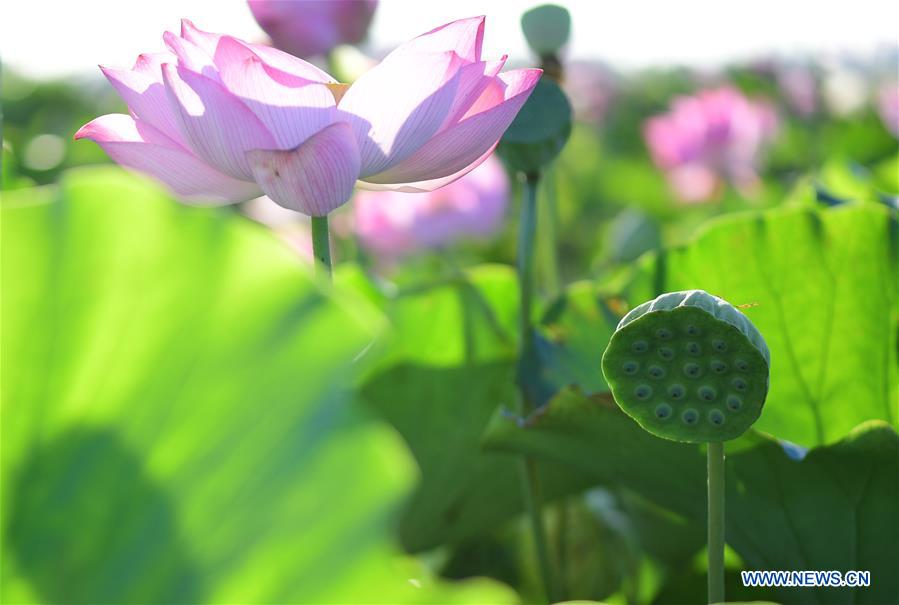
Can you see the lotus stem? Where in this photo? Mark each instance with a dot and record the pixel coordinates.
(321, 244)
(551, 235)
(716, 522)
(527, 231)
(533, 500)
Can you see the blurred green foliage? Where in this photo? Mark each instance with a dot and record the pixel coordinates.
(178, 420)
(54, 110)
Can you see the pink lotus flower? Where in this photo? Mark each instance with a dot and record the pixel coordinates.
(313, 27)
(394, 224)
(710, 138)
(218, 118)
(888, 107)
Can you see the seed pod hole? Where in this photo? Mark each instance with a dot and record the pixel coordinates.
(663, 411)
(707, 393)
(719, 345)
(663, 333)
(690, 416)
(692, 370)
(693, 330)
(693, 348)
(656, 372)
(734, 402)
(643, 392)
(739, 384)
(677, 391)
(640, 346)
(666, 353)
(630, 367)
(718, 366)
(741, 365)
(716, 417)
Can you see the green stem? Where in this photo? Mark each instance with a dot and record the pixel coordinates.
(562, 548)
(551, 235)
(527, 230)
(533, 500)
(321, 244)
(716, 522)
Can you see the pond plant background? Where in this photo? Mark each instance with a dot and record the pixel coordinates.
(191, 413)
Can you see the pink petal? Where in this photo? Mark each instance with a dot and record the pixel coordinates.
(144, 94)
(398, 105)
(219, 127)
(426, 185)
(206, 41)
(463, 37)
(316, 177)
(493, 95)
(291, 113)
(142, 147)
(150, 64)
(190, 56)
(457, 147)
(474, 80)
(209, 42)
(290, 64)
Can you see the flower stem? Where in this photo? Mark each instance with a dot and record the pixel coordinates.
(551, 235)
(527, 230)
(533, 500)
(321, 244)
(716, 522)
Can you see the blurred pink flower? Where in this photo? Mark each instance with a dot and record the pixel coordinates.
(888, 107)
(394, 224)
(713, 137)
(313, 27)
(799, 88)
(591, 88)
(218, 118)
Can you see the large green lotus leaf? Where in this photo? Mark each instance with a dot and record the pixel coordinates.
(831, 508)
(824, 290)
(177, 420)
(449, 367)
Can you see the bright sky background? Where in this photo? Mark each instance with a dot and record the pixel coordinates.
(45, 37)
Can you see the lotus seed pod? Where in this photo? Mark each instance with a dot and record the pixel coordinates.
(539, 131)
(688, 366)
(546, 28)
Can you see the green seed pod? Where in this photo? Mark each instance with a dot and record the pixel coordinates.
(539, 131)
(546, 28)
(688, 366)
